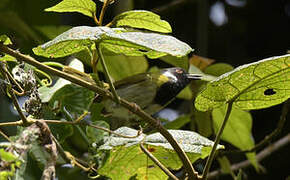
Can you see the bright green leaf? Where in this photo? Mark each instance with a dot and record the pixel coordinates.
(5, 40)
(7, 156)
(86, 7)
(253, 86)
(128, 43)
(143, 20)
(238, 129)
(126, 158)
(8, 58)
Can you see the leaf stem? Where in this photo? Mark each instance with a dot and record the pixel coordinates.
(217, 140)
(112, 87)
(192, 174)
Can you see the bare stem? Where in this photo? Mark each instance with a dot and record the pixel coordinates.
(271, 136)
(112, 87)
(157, 162)
(139, 112)
(217, 140)
(105, 5)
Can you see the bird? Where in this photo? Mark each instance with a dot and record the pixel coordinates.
(151, 91)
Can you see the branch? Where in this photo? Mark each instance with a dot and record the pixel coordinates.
(271, 136)
(260, 156)
(130, 106)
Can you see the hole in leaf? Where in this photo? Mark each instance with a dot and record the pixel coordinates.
(269, 92)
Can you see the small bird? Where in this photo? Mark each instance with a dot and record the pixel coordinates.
(150, 91)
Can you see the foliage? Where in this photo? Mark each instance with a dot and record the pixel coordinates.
(78, 113)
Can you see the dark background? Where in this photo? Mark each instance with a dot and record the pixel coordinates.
(248, 30)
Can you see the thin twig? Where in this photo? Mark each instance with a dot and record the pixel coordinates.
(192, 174)
(5, 136)
(13, 97)
(271, 136)
(157, 162)
(217, 140)
(112, 87)
(105, 5)
(260, 156)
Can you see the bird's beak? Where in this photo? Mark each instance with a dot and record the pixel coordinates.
(194, 76)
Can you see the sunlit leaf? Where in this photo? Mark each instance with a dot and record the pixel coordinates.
(253, 86)
(126, 159)
(7, 156)
(143, 20)
(5, 40)
(129, 43)
(86, 7)
(7, 57)
(238, 130)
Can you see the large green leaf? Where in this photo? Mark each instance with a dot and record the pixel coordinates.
(142, 19)
(86, 7)
(128, 43)
(253, 86)
(126, 159)
(120, 66)
(238, 130)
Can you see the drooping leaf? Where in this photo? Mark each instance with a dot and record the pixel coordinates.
(128, 43)
(253, 86)
(120, 66)
(178, 123)
(86, 7)
(8, 58)
(126, 159)
(5, 40)
(238, 130)
(175, 61)
(143, 20)
(225, 164)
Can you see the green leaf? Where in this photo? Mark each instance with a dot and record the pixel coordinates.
(51, 31)
(46, 93)
(128, 43)
(5, 40)
(225, 165)
(143, 20)
(7, 156)
(178, 123)
(175, 61)
(126, 158)
(8, 58)
(86, 7)
(218, 69)
(185, 93)
(203, 122)
(120, 66)
(253, 86)
(96, 136)
(237, 131)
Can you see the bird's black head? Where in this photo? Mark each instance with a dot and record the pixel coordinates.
(178, 79)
